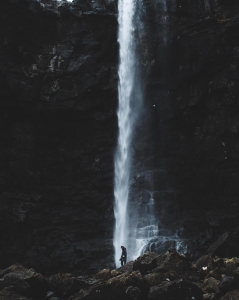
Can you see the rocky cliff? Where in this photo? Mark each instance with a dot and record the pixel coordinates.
(190, 63)
(58, 128)
(58, 70)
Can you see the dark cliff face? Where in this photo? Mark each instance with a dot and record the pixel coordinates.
(192, 99)
(58, 70)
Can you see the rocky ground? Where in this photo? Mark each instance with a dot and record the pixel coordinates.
(149, 277)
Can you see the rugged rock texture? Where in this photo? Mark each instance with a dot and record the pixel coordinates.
(192, 78)
(58, 70)
(163, 280)
(58, 129)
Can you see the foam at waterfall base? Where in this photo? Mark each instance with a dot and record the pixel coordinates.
(160, 245)
(147, 231)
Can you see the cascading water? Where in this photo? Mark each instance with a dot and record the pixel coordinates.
(140, 232)
(126, 121)
(149, 236)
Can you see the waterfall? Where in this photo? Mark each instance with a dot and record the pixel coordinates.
(141, 232)
(126, 120)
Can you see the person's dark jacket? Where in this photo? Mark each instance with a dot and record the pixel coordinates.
(124, 254)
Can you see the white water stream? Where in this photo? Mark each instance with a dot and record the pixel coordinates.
(126, 10)
(148, 237)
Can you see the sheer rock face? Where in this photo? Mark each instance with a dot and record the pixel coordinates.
(192, 109)
(58, 129)
(58, 87)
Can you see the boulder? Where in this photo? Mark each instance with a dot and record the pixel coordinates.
(230, 265)
(172, 262)
(9, 293)
(114, 288)
(146, 262)
(204, 264)
(115, 273)
(153, 279)
(210, 285)
(179, 260)
(87, 280)
(20, 286)
(164, 291)
(227, 283)
(218, 262)
(126, 268)
(25, 281)
(181, 289)
(216, 273)
(65, 284)
(224, 267)
(104, 274)
(204, 261)
(232, 295)
(134, 293)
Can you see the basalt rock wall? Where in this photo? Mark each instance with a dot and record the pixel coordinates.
(192, 99)
(58, 70)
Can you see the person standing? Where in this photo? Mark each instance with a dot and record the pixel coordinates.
(123, 258)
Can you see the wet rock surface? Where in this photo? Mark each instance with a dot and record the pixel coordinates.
(58, 129)
(192, 106)
(128, 283)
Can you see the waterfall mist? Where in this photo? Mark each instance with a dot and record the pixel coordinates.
(126, 121)
(136, 225)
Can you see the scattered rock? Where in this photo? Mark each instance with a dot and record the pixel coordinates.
(134, 293)
(227, 283)
(115, 273)
(170, 276)
(10, 294)
(65, 284)
(181, 289)
(216, 273)
(232, 295)
(126, 268)
(145, 263)
(153, 279)
(173, 262)
(25, 281)
(210, 285)
(218, 262)
(104, 274)
(114, 288)
(204, 261)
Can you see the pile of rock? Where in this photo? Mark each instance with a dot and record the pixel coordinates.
(151, 276)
